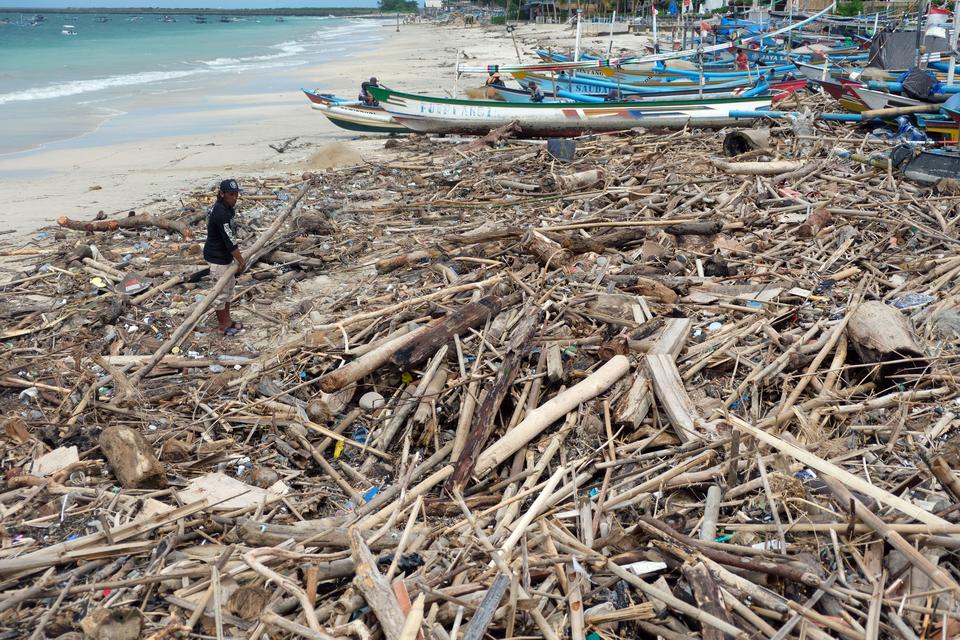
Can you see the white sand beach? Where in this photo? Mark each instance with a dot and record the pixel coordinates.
(224, 134)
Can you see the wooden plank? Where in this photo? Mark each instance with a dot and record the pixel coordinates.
(673, 396)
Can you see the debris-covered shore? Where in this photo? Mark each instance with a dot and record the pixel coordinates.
(651, 392)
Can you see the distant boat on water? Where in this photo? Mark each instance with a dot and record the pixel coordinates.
(101, 19)
(68, 30)
(279, 19)
(168, 19)
(200, 19)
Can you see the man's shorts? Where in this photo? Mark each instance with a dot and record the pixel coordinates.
(216, 272)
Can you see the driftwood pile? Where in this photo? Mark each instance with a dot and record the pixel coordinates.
(483, 393)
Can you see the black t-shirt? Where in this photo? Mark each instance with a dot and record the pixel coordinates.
(221, 234)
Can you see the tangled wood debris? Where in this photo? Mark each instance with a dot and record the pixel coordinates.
(483, 393)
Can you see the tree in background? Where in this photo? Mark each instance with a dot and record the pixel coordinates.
(850, 8)
(402, 6)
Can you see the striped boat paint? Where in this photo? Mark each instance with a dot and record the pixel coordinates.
(449, 115)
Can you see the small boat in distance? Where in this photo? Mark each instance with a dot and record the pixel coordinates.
(101, 19)
(68, 30)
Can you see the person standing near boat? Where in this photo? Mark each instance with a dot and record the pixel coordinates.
(221, 249)
(365, 96)
(742, 60)
(536, 95)
(613, 95)
(495, 80)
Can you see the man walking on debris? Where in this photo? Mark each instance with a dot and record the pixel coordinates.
(221, 249)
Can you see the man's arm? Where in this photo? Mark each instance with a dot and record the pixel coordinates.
(241, 263)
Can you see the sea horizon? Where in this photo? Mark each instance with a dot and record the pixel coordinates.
(313, 10)
(82, 79)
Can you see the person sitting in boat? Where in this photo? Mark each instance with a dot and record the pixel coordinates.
(365, 96)
(742, 61)
(613, 95)
(536, 95)
(495, 80)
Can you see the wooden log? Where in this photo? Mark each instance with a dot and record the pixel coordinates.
(669, 389)
(652, 289)
(424, 343)
(707, 593)
(547, 252)
(375, 588)
(411, 626)
(554, 363)
(484, 418)
(367, 363)
(425, 410)
(899, 111)
(757, 168)
(190, 276)
(711, 511)
(293, 259)
(141, 221)
(581, 179)
(944, 474)
(386, 265)
(633, 406)
(694, 229)
(327, 532)
(484, 615)
(132, 459)
(551, 411)
(817, 220)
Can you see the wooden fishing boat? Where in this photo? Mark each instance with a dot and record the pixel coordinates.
(938, 126)
(509, 94)
(632, 73)
(597, 90)
(596, 86)
(354, 116)
(837, 85)
(604, 74)
(883, 100)
(430, 114)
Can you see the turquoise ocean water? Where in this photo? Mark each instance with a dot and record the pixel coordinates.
(56, 87)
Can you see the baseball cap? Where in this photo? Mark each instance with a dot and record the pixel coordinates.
(230, 186)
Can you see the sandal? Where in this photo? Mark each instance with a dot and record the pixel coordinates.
(231, 332)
